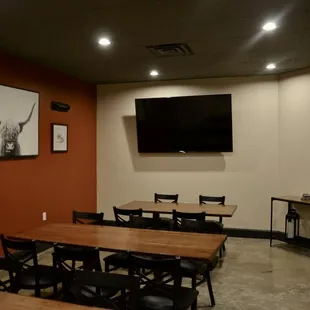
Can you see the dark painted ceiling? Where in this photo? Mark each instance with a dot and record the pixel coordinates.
(225, 36)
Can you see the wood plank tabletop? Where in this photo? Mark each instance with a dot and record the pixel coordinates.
(294, 199)
(187, 245)
(10, 301)
(167, 208)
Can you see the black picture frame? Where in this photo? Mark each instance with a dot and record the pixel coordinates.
(58, 132)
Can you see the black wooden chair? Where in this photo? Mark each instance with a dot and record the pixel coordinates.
(88, 287)
(150, 223)
(155, 293)
(197, 271)
(168, 198)
(120, 260)
(65, 260)
(25, 276)
(19, 255)
(218, 225)
(180, 220)
(4, 284)
(142, 222)
(122, 215)
(87, 218)
(212, 199)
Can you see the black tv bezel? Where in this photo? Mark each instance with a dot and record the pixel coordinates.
(183, 151)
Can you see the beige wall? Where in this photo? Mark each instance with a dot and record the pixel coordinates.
(247, 177)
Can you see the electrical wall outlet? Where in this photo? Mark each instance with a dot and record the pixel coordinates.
(44, 216)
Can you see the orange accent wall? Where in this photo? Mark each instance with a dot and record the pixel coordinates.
(55, 183)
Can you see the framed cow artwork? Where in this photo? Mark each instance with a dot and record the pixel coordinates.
(19, 123)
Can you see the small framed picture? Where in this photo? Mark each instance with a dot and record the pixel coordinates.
(59, 138)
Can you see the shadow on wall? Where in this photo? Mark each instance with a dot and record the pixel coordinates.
(167, 161)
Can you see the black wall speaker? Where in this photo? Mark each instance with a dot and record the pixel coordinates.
(60, 107)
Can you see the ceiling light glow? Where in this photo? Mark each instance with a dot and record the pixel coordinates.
(271, 66)
(270, 26)
(154, 73)
(104, 41)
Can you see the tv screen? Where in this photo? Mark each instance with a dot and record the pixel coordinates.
(184, 124)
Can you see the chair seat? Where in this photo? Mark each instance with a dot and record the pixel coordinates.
(87, 295)
(87, 291)
(48, 277)
(120, 260)
(151, 299)
(191, 268)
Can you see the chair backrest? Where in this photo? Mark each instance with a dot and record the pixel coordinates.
(190, 222)
(211, 200)
(122, 215)
(65, 258)
(149, 223)
(87, 218)
(164, 270)
(85, 280)
(164, 197)
(16, 265)
(141, 222)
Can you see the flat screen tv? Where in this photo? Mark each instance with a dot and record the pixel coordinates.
(184, 124)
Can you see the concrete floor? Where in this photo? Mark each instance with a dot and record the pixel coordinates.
(254, 276)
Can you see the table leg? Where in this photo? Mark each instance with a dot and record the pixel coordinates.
(271, 221)
(289, 207)
(155, 215)
(223, 247)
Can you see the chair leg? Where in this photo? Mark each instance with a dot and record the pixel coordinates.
(55, 289)
(208, 279)
(13, 289)
(221, 252)
(194, 282)
(194, 305)
(37, 292)
(106, 267)
(224, 247)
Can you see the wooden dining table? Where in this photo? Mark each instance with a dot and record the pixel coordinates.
(156, 208)
(142, 241)
(10, 301)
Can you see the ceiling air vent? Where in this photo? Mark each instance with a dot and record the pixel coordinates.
(170, 50)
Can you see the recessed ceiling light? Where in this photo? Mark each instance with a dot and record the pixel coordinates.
(271, 66)
(154, 73)
(104, 41)
(270, 26)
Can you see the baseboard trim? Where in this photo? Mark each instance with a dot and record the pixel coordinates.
(247, 233)
(231, 232)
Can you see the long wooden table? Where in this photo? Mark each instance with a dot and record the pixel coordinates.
(167, 208)
(187, 245)
(17, 302)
